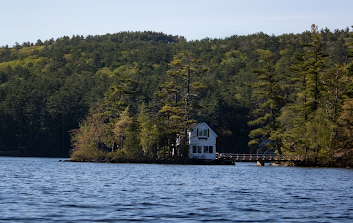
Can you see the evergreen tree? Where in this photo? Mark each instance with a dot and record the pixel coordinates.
(148, 132)
(120, 125)
(303, 131)
(268, 93)
(177, 112)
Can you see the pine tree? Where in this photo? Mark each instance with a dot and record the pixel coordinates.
(314, 61)
(303, 131)
(179, 102)
(148, 132)
(120, 125)
(268, 92)
(345, 127)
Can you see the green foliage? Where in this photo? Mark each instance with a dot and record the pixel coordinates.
(121, 125)
(310, 119)
(48, 88)
(268, 93)
(86, 152)
(148, 132)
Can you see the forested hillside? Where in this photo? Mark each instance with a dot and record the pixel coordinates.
(133, 92)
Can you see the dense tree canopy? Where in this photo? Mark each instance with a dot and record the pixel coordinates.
(127, 93)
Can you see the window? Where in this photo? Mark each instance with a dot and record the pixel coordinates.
(210, 149)
(205, 149)
(203, 132)
(194, 149)
(199, 149)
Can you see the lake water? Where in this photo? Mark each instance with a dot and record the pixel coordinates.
(45, 190)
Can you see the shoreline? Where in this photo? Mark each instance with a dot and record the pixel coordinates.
(193, 162)
(157, 161)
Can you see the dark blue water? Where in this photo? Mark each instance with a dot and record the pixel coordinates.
(45, 190)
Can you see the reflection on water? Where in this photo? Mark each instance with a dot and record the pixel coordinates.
(45, 190)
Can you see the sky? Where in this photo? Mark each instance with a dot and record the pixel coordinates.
(30, 20)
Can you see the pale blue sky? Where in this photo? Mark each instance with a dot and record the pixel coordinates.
(23, 20)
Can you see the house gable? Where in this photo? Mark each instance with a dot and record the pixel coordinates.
(203, 130)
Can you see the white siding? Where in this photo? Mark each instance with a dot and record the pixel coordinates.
(204, 140)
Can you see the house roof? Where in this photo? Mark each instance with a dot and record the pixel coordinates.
(195, 124)
(264, 142)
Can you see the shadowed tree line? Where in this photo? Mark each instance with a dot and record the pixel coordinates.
(129, 94)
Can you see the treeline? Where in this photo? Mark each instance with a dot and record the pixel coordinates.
(307, 110)
(49, 88)
(115, 129)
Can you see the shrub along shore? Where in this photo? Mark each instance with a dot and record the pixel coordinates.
(134, 93)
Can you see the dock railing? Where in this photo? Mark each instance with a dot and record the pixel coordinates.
(259, 157)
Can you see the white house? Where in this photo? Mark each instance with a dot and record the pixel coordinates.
(202, 142)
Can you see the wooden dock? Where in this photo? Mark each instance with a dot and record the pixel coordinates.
(261, 158)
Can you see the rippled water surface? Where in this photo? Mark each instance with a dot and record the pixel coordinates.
(45, 190)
